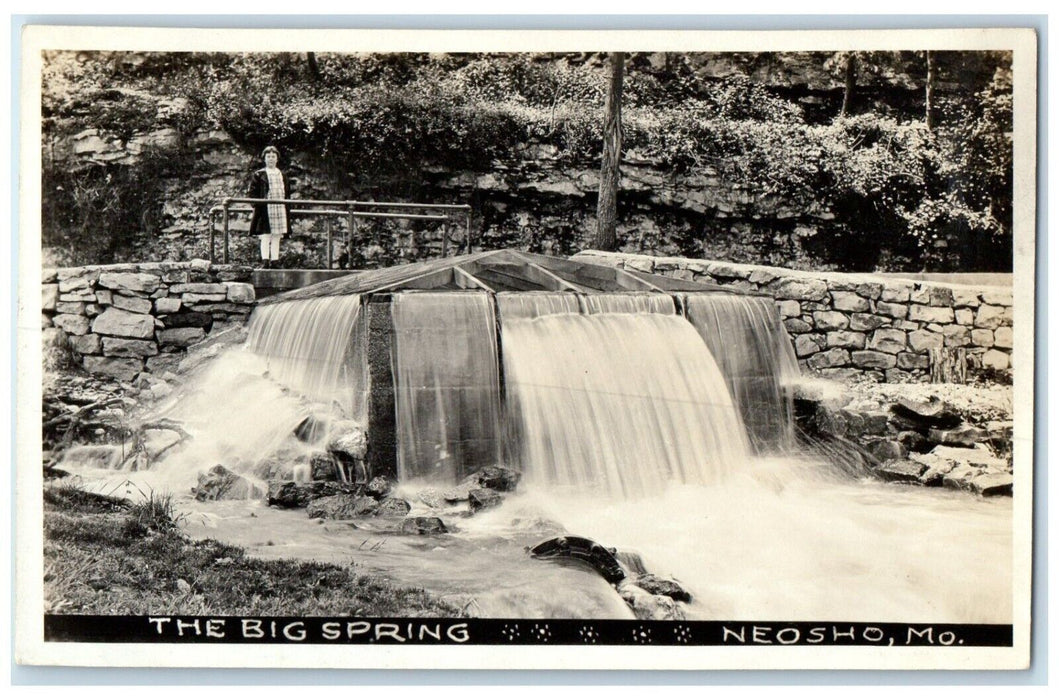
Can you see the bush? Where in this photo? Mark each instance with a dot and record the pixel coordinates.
(876, 189)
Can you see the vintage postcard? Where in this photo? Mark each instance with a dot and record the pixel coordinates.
(526, 350)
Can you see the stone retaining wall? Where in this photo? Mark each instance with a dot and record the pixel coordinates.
(847, 326)
(121, 320)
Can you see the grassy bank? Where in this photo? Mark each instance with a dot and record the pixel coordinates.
(104, 555)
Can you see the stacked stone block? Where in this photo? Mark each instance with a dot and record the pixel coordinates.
(847, 326)
(121, 320)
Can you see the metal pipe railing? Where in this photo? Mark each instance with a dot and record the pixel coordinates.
(351, 210)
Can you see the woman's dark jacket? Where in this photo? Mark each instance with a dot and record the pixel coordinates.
(258, 189)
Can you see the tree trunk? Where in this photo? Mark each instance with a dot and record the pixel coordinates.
(948, 365)
(314, 67)
(609, 174)
(851, 83)
(931, 77)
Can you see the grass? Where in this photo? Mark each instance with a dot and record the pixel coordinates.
(105, 555)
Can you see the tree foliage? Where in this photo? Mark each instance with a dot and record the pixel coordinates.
(880, 189)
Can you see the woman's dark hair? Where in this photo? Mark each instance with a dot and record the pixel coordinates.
(269, 149)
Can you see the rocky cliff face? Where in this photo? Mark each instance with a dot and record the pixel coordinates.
(535, 200)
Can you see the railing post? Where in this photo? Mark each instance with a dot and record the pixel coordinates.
(351, 231)
(445, 238)
(227, 201)
(213, 234)
(468, 236)
(327, 221)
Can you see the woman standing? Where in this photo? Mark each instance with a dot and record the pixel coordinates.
(269, 221)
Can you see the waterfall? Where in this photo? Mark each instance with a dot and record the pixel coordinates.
(447, 386)
(618, 303)
(531, 305)
(756, 358)
(310, 347)
(619, 404)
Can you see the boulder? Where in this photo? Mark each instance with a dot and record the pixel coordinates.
(911, 361)
(89, 344)
(322, 467)
(124, 323)
(805, 345)
(126, 347)
(896, 291)
(647, 606)
(130, 282)
(75, 308)
(988, 316)
(789, 308)
(932, 413)
(481, 499)
(1003, 338)
(207, 288)
(865, 322)
(222, 484)
(76, 280)
(873, 359)
(849, 301)
(137, 305)
(179, 338)
(166, 305)
(423, 525)
(888, 340)
(845, 339)
(393, 507)
(337, 507)
(962, 436)
(71, 323)
(996, 359)
(799, 289)
(458, 494)
(830, 321)
(379, 487)
(288, 494)
(189, 299)
(657, 585)
(902, 470)
(836, 357)
(240, 293)
(348, 440)
(498, 478)
(994, 484)
(49, 297)
(921, 340)
(885, 450)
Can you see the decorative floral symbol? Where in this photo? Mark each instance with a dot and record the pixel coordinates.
(541, 632)
(641, 635)
(589, 635)
(682, 633)
(510, 631)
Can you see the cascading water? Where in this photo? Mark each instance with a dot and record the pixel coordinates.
(306, 345)
(755, 356)
(447, 385)
(616, 403)
(627, 421)
(617, 303)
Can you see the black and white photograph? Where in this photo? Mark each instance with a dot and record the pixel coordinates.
(506, 350)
